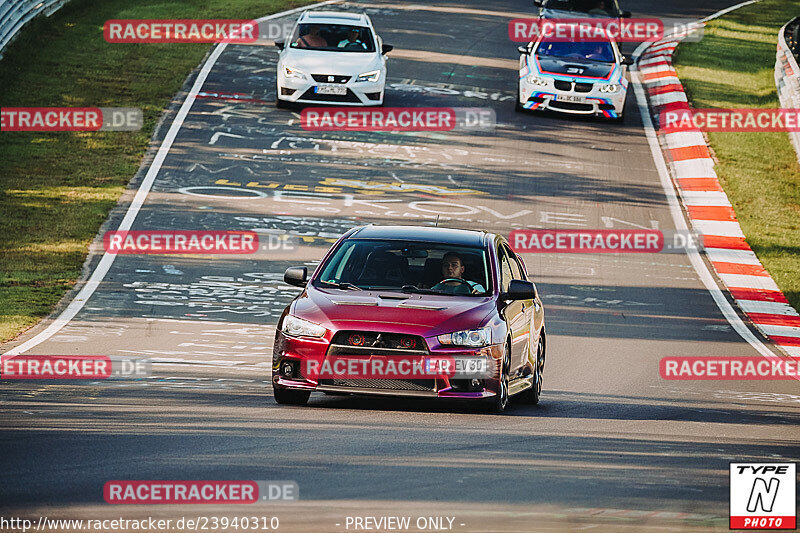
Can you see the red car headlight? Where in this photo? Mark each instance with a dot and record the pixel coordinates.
(474, 338)
(297, 327)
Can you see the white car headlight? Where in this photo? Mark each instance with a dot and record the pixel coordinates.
(474, 338)
(291, 72)
(609, 88)
(372, 75)
(536, 80)
(297, 327)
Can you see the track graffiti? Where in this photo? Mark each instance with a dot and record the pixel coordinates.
(255, 294)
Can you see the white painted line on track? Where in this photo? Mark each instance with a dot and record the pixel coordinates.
(668, 98)
(704, 198)
(793, 351)
(666, 80)
(107, 260)
(728, 10)
(726, 255)
(780, 331)
(663, 67)
(684, 139)
(694, 168)
(772, 308)
(746, 281)
(658, 47)
(654, 61)
(700, 267)
(718, 228)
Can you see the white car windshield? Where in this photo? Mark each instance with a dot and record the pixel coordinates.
(333, 38)
(585, 51)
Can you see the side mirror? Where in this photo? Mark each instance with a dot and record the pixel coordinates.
(386, 48)
(627, 60)
(523, 50)
(279, 45)
(297, 276)
(520, 289)
(625, 14)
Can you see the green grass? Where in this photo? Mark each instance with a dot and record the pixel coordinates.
(56, 189)
(733, 66)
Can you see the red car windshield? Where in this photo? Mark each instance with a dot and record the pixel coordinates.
(407, 266)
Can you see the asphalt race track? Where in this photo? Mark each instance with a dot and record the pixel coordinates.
(612, 446)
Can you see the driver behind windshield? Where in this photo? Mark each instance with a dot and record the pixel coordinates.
(453, 271)
(352, 41)
(601, 8)
(598, 53)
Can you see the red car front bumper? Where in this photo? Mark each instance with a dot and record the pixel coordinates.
(295, 357)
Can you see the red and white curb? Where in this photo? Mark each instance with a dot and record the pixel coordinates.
(709, 210)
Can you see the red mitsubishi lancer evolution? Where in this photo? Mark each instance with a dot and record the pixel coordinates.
(413, 311)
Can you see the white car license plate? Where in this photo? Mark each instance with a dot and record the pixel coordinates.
(330, 89)
(570, 98)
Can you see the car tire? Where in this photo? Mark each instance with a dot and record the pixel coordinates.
(290, 396)
(532, 395)
(499, 402)
(517, 106)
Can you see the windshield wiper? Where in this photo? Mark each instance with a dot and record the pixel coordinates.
(341, 285)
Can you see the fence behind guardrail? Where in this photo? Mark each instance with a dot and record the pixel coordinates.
(787, 73)
(14, 14)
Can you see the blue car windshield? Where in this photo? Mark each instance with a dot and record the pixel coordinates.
(584, 51)
(415, 267)
(602, 8)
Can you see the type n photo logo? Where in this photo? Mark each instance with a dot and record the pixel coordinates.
(763, 496)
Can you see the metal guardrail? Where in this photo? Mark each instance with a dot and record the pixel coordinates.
(14, 14)
(787, 73)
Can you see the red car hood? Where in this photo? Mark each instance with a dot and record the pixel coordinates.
(417, 314)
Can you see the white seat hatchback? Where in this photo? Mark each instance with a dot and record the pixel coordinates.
(332, 58)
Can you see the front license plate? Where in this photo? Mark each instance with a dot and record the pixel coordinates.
(570, 98)
(330, 89)
(459, 367)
